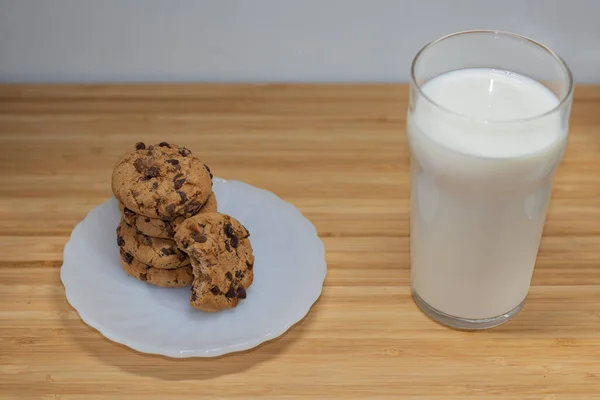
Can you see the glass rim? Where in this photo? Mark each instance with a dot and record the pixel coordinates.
(562, 101)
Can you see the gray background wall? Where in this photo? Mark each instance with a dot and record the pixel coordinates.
(268, 40)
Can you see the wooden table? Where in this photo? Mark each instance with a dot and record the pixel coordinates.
(339, 154)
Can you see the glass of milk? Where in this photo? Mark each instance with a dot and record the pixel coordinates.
(487, 126)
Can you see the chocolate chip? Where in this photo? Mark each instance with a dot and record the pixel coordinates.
(215, 290)
(249, 264)
(170, 208)
(239, 274)
(198, 237)
(172, 161)
(228, 230)
(228, 275)
(192, 208)
(154, 185)
(234, 242)
(151, 147)
(227, 246)
(167, 251)
(128, 258)
(140, 165)
(143, 277)
(182, 256)
(230, 293)
(164, 144)
(147, 219)
(151, 172)
(179, 183)
(128, 212)
(120, 241)
(241, 293)
(183, 197)
(146, 239)
(170, 231)
(140, 146)
(184, 152)
(194, 296)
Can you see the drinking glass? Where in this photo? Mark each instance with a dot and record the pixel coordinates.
(487, 126)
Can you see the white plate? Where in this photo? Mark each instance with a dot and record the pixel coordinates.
(289, 271)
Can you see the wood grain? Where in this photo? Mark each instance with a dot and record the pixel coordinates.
(338, 152)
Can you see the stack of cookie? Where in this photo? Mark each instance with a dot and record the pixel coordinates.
(158, 187)
(171, 234)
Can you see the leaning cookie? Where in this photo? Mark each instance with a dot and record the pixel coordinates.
(156, 227)
(162, 181)
(222, 260)
(157, 252)
(170, 278)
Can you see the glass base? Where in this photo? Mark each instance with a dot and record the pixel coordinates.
(464, 323)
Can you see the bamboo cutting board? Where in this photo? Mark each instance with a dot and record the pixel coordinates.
(338, 152)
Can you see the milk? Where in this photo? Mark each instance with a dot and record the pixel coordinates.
(480, 188)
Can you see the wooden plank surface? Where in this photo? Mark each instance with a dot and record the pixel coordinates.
(338, 152)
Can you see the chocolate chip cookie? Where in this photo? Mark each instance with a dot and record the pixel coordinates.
(156, 227)
(171, 278)
(158, 252)
(162, 181)
(221, 254)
